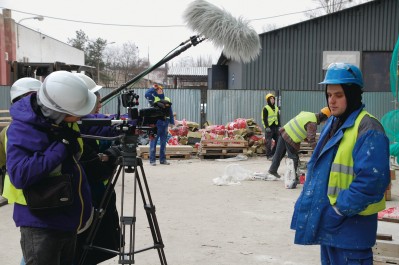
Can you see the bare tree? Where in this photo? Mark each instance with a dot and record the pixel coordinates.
(188, 61)
(331, 6)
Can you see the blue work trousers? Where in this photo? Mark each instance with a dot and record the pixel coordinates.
(338, 256)
(162, 135)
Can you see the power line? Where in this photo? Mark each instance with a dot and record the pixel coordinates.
(164, 26)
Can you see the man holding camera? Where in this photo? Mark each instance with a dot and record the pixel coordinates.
(156, 98)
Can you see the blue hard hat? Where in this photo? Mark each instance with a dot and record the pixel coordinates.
(343, 73)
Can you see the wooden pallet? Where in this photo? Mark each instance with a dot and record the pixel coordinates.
(224, 143)
(222, 148)
(168, 156)
(4, 121)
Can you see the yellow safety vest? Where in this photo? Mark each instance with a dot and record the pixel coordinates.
(156, 99)
(295, 128)
(342, 174)
(14, 195)
(271, 115)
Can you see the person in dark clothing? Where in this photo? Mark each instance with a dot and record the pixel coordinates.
(99, 166)
(271, 123)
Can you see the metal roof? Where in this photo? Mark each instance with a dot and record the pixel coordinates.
(188, 71)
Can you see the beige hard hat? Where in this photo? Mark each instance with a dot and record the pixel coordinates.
(89, 82)
(23, 86)
(65, 92)
(268, 96)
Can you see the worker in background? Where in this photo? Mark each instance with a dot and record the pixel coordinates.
(21, 88)
(49, 155)
(156, 98)
(152, 93)
(301, 127)
(347, 176)
(271, 123)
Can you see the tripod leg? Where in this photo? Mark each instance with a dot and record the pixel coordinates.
(98, 215)
(150, 212)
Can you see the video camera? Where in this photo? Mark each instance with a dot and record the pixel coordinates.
(145, 116)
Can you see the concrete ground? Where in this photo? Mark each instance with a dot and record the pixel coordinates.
(201, 223)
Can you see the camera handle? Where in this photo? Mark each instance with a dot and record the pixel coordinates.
(129, 163)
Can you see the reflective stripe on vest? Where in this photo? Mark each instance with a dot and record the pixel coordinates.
(271, 115)
(295, 128)
(15, 195)
(342, 174)
(156, 99)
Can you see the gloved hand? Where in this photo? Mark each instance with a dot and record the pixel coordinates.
(113, 154)
(159, 104)
(67, 136)
(268, 130)
(166, 103)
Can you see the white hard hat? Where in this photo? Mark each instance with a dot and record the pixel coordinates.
(23, 86)
(89, 82)
(65, 92)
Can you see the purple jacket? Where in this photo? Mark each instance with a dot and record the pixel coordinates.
(31, 156)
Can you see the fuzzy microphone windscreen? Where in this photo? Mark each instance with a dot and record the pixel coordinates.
(236, 37)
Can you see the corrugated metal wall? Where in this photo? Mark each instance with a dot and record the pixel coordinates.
(5, 97)
(227, 105)
(224, 106)
(291, 57)
(185, 102)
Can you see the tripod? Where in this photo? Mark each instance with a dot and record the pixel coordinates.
(128, 162)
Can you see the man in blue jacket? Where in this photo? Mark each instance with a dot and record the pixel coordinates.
(155, 95)
(43, 147)
(347, 176)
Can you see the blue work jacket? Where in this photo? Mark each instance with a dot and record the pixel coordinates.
(314, 220)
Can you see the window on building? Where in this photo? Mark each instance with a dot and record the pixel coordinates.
(375, 68)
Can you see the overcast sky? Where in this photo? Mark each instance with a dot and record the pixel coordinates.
(153, 41)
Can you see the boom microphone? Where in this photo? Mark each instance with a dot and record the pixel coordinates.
(239, 41)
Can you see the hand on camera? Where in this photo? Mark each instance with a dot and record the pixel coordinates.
(159, 105)
(113, 154)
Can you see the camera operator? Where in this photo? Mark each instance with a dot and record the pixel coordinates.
(155, 96)
(99, 163)
(47, 159)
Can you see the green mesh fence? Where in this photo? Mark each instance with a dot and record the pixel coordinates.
(394, 71)
(390, 121)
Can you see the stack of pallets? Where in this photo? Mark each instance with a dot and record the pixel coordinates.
(305, 147)
(222, 148)
(5, 118)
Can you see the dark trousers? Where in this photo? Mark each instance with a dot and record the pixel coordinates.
(282, 148)
(162, 134)
(272, 135)
(41, 246)
(338, 256)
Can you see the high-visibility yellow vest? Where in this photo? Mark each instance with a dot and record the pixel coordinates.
(271, 115)
(342, 174)
(295, 128)
(156, 99)
(14, 195)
